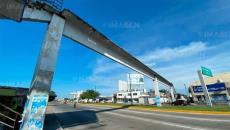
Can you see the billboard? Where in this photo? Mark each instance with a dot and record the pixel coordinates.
(122, 85)
(135, 79)
(211, 88)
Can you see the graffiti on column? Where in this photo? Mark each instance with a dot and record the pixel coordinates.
(36, 112)
(24, 112)
(158, 100)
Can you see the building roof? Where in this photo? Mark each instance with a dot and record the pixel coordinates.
(219, 78)
(13, 91)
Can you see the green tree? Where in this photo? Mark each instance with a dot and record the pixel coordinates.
(164, 91)
(52, 96)
(90, 94)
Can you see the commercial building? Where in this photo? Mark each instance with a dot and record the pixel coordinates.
(218, 88)
(76, 95)
(139, 97)
(132, 90)
(164, 94)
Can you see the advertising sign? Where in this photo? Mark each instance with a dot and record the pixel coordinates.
(135, 78)
(122, 85)
(211, 88)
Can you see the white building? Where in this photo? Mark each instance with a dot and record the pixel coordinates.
(76, 95)
(134, 82)
(134, 85)
(139, 97)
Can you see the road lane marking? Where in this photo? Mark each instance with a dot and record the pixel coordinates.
(184, 117)
(172, 116)
(156, 121)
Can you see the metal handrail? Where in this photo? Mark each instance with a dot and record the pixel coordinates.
(7, 124)
(10, 109)
(7, 117)
(14, 120)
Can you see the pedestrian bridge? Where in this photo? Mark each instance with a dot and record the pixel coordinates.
(64, 23)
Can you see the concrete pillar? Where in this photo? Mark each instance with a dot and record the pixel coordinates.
(172, 93)
(34, 111)
(157, 93)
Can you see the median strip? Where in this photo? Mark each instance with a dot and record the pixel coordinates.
(187, 110)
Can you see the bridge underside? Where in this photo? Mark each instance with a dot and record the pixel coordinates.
(12, 9)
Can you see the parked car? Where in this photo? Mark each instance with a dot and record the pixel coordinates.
(181, 102)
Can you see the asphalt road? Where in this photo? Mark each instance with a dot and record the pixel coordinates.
(97, 118)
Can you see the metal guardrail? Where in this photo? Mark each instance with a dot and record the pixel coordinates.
(14, 120)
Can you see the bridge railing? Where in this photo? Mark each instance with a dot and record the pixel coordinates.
(55, 4)
(6, 118)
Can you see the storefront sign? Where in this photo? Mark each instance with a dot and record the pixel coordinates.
(211, 88)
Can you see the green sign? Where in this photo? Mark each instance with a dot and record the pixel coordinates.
(206, 71)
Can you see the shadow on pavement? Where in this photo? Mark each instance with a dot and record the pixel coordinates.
(51, 122)
(75, 118)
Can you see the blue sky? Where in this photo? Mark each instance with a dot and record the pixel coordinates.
(173, 37)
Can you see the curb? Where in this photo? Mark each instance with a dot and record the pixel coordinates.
(184, 111)
(165, 110)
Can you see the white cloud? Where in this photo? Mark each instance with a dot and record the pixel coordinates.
(150, 58)
(107, 72)
(167, 54)
(105, 66)
(105, 76)
(186, 71)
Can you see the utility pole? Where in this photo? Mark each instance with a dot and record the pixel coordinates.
(130, 87)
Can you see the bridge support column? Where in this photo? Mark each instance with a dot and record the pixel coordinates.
(157, 93)
(172, 93)
(34, 111)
